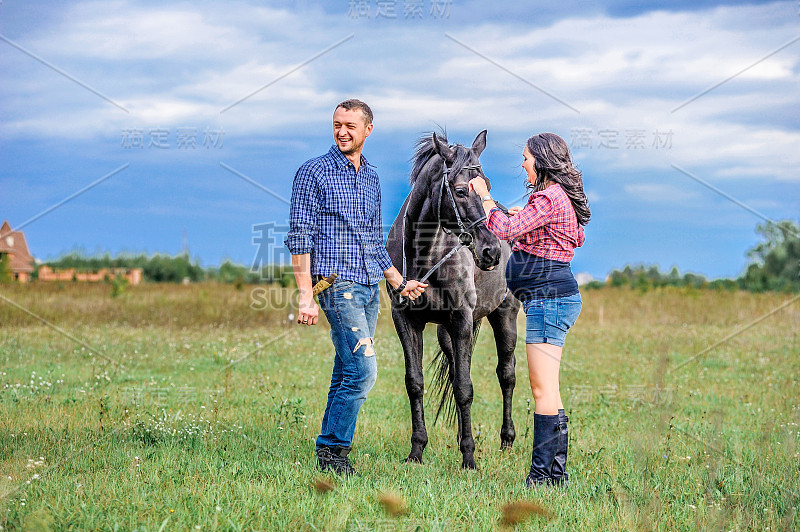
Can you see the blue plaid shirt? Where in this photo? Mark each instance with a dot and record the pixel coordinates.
(336, 217)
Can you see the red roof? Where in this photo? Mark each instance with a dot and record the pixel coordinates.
(13, 243)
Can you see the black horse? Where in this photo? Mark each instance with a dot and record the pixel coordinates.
(442, 217)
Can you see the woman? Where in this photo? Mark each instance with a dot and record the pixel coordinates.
(545, 231)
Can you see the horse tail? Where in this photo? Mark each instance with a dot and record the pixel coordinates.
(443, 386)
(443, 379)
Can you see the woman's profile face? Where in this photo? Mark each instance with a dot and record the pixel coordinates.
(527, 164)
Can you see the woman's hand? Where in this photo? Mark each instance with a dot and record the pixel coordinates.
(478, 184)
(514, 210)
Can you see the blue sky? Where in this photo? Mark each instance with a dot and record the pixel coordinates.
(626, 85)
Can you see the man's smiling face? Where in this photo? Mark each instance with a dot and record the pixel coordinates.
(350, 129)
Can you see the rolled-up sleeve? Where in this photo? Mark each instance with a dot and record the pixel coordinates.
(535, 214)
(303, 212)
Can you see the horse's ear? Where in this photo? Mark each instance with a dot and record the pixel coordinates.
(479, 143)
(443, 149)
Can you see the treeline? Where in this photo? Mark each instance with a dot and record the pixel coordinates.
(166, 269)
(775, 262)
(645, 278)
(774, 266)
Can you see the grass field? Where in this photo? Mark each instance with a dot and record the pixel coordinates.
(182, 408)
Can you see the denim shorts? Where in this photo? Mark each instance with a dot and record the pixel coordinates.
(547, 320)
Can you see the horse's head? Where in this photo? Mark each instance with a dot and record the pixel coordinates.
(460, 211)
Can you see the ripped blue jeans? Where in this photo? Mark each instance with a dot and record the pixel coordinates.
(352, 310)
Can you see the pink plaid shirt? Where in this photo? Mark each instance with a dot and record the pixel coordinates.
(547, 227)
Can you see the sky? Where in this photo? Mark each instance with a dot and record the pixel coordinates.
(144, 127)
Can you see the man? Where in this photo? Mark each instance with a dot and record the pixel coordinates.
(335, 228)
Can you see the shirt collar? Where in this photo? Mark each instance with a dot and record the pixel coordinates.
(341, 160)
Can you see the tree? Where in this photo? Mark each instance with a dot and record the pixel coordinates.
(775, 262)
(5, 268)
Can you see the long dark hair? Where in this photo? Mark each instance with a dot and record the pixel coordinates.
(552, 162)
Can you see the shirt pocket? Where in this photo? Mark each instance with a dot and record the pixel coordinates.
(335, 194)
(369, 195)
(332, 202)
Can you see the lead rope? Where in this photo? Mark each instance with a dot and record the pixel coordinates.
(403, 229)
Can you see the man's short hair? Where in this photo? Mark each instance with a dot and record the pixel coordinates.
(357, 104)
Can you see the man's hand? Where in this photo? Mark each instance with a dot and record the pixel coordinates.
(413, 289)
(309, 310)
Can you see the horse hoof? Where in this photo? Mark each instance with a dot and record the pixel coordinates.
(507, 446)
(414, 459)
(469, 464)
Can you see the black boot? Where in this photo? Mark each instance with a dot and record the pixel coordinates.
(323, 457)
(340, 463)
(545, 444)
(559, 472)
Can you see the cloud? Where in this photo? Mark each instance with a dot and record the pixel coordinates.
(660, 193)
(181, 64)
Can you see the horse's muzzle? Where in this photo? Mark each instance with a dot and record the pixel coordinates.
(488, 258)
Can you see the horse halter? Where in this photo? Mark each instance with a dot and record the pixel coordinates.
(465, 236)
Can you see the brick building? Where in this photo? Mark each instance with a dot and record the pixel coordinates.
(14, 246)
(133, 275)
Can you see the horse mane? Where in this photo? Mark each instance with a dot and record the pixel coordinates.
(424, 151)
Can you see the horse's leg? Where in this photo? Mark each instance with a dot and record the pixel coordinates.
(460, 329)
(410, 335)
(504, 323)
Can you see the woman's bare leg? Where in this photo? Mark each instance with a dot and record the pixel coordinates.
(544, 363)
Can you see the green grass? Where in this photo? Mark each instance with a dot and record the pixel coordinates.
(181, 437)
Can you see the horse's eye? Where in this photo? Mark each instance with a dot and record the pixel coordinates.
(462, 192)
